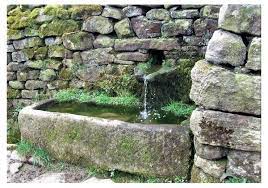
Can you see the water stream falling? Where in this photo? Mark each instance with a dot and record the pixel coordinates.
(145, 113)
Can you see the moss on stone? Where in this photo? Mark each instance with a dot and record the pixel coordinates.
(117, 81)
(184, 74)
(31, 31)
(43, 64)
(34, 41)
(66, 74)
(52, 64)
(34, 13)
(13, 34)
(198, 176)
(72, 135)
(58, 27)
(40, 53)
(13, 93)
(20, 19)
(84, 11)
(47, 75)
(28, 52)
(56, 51)
(56, 11)
(39, 64)
(127, 145)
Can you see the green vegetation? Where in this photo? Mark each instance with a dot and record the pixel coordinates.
(125, 177)
(179, 109)
(145, 67)
(237, 180)
(97, 97)
(13, 130)
(41, 96)
(117, 85)
(40, 156)
(57, 27)
(167, 63)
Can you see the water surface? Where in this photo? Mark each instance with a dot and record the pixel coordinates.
(126, 114)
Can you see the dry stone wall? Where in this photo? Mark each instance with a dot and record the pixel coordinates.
(57, 47)
(226, 86)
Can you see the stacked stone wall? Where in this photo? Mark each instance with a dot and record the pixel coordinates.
(226, 86)
(87, 46)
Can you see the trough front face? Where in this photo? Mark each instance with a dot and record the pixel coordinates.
(155, 150)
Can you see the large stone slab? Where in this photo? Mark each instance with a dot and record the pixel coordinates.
(209, 152)
(19, 56)
(177, 27)
(58, 27)
(145, 28)
(227, 130)
(210, 11)
(112, 12)
(78, 40)
(205, 27)
(16, 84)
(215, 168)
(155, 150)
(27, 43)
(11, 76)
(97, 56)
(214, 87)
(89, 72)
(241, 18)
(190, 13)
(134, 44)
(98, 24)
(123, 29)
(35, 84)
(244, 164)
(226, 48)
(254, 55)
(199, 176)
(132, 11)
(132, 56)
(103, 41)
(158, 14)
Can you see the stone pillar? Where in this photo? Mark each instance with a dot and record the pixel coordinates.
(226, 86)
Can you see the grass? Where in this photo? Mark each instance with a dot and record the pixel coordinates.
(13, 131)
(179, 109)
(82, 96)
(15, 111)
(40, 156)
(125, 177)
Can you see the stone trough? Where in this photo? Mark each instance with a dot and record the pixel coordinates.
(163, 150)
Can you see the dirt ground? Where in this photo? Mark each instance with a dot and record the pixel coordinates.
(21, 170)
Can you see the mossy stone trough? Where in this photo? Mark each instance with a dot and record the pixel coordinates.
(163, 150)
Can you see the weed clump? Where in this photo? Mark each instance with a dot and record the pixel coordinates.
(82, 96)
(179, 109)
(40, 156)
